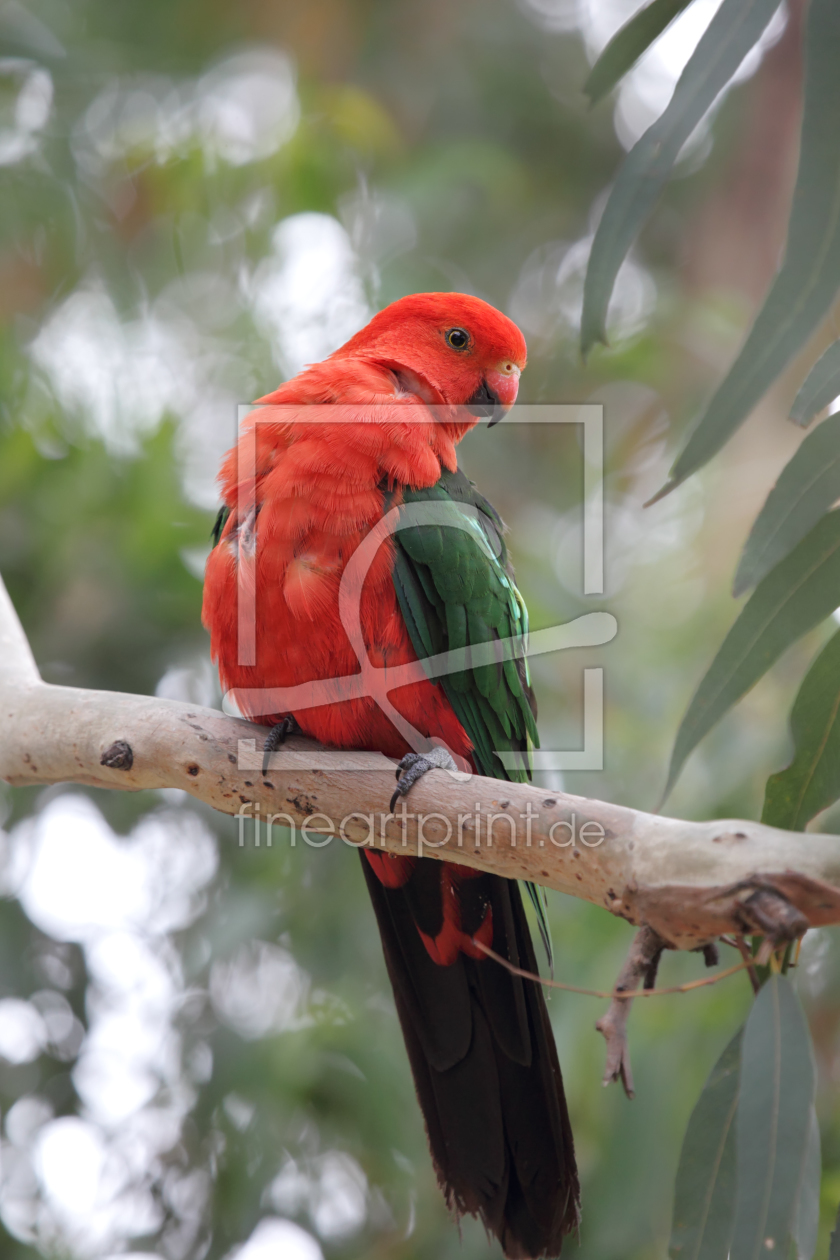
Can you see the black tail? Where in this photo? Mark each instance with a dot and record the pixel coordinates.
(486, 1073)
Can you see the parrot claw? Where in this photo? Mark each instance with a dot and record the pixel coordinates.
(414, 765)
(276, 738)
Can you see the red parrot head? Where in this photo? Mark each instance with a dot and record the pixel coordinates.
(447, 348)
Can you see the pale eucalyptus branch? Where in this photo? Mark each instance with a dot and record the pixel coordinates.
(17, 664)
(689, 882)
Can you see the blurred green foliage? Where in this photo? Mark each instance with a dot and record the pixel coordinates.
(454, 145)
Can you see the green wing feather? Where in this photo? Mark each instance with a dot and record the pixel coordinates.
(221, 521)
(456, 589)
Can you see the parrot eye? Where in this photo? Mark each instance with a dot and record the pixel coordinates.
(458, 338)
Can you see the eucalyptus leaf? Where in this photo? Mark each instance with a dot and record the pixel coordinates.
(732, 32)
(704, 1196)
(808, 485)
(806, 1216)
(834, 1244)
(805, 287)
(793, 598)
(627, 45)
(821, 386)
(773, 1120)
(812, 780)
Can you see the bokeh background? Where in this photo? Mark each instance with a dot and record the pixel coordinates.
(199, 1054)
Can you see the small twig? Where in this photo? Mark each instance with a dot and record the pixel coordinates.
(640, 964)
(738, 942)
(619, 995)
(653, 970)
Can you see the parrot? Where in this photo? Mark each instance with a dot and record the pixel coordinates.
(328, 457)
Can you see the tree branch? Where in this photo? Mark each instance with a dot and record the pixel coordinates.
(639, 966)
(688, 881)
(17, 664)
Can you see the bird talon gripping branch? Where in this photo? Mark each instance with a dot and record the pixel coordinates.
(276, 738)
(414, 765)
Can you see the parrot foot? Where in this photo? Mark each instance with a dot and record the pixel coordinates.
(414, 765)
(276, 738)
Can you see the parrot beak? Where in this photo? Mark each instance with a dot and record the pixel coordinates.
(501, 386)
(486, 403)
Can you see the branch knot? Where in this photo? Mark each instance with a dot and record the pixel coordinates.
(118, 757)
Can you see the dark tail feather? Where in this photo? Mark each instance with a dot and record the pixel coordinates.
(486, 1073)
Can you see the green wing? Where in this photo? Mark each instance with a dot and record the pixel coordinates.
(456, 589)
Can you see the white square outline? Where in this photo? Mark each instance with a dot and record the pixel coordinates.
(594, 629)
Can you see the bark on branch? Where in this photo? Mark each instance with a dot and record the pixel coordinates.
(688, 881)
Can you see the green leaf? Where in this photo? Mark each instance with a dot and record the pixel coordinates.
(704, 1197)
(808, 485)
(627, 45)
(806, 1216)
(730, 35)
(822, 385)
(806, 285)
(812, 780)
(802, 590)
(834, 1244)
(772, 1123)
